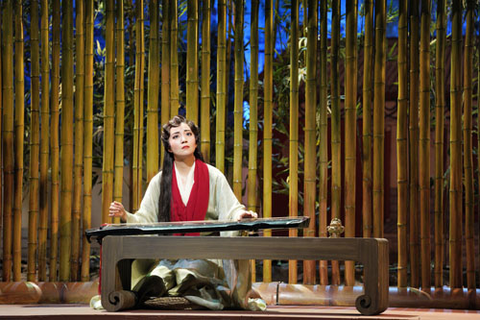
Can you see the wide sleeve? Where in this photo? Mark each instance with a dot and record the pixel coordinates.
(226, 204)
(148, 211)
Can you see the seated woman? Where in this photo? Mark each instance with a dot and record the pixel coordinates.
(187, 189)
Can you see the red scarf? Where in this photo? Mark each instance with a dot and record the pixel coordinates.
(197, 204)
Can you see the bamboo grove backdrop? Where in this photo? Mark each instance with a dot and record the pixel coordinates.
(142, 78)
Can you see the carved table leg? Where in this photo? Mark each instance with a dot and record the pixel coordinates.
(375, 299)
(116, 273)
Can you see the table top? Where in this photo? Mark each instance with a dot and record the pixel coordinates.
(168, 228)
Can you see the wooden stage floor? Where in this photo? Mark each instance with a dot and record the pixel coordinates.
(75, 311)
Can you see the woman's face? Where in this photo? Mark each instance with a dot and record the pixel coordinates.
(182, 141)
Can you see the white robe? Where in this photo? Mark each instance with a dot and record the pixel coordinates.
(222, 203)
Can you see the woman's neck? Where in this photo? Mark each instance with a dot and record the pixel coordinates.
(184, 165)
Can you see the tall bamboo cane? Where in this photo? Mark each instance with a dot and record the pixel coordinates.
(87, 132)
(109, 110)
(7, 137)
(335, 130)
(267, 129)
(350, 129)
(253, 126)
(455, 242)
(379, 118)
(34, 144)
(424, 153)
(467, 146)
(221, 87)
(153, 87)
(439, 141)
(293, 143)
(54, 144)
(367, 122)
(238, 106)
(131, 38)
(1, 120)
(44, 152)
(253, 99)
(310, 140)
(402, 154)
(120, 106)
(478, 120)
(192, 60)
(79, 105)
(413, 147)
(323, 159)
(165, 92)
(19, 131)
(228, 49)
(205, 93)
(66, 141)
(138, 107)
(174, 90)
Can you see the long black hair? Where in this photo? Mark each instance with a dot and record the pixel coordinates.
(167, 168)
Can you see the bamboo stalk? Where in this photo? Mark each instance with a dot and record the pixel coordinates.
(192, 60)
(323, 159)
(55, 149)
(478, 120)
(7, 137)
(267, 129)
(228, 54)
(252, 202)
(87, 133)
(367, 122)
(131, 38)
(413, 147)
(153, 91)
(66, 141)
(293, 143)
(1, 120)
(439, 142)
(44, 151)
(350, 130)
(19, 131)
(131, 64)
(165, 92)
(424, 153)
(221, 87)
(120, 107)
(335, 131)
(138, 107)
(310, 139)
(467, 146)
(402, 153)
(238, 104)
(78, 171)
(379, 119)
(455, 226)
(205, 93)
(174, 90)
(109, 111)
(34, 144)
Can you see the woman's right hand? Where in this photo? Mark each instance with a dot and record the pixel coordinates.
(117, 210)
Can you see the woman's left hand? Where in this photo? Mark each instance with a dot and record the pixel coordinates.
(248, 215)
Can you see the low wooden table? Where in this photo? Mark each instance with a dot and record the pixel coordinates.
(119, 252)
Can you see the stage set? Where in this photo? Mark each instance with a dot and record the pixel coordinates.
(121, 244)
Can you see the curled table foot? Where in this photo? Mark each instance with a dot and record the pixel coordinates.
(120, 300)
(366, 306)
